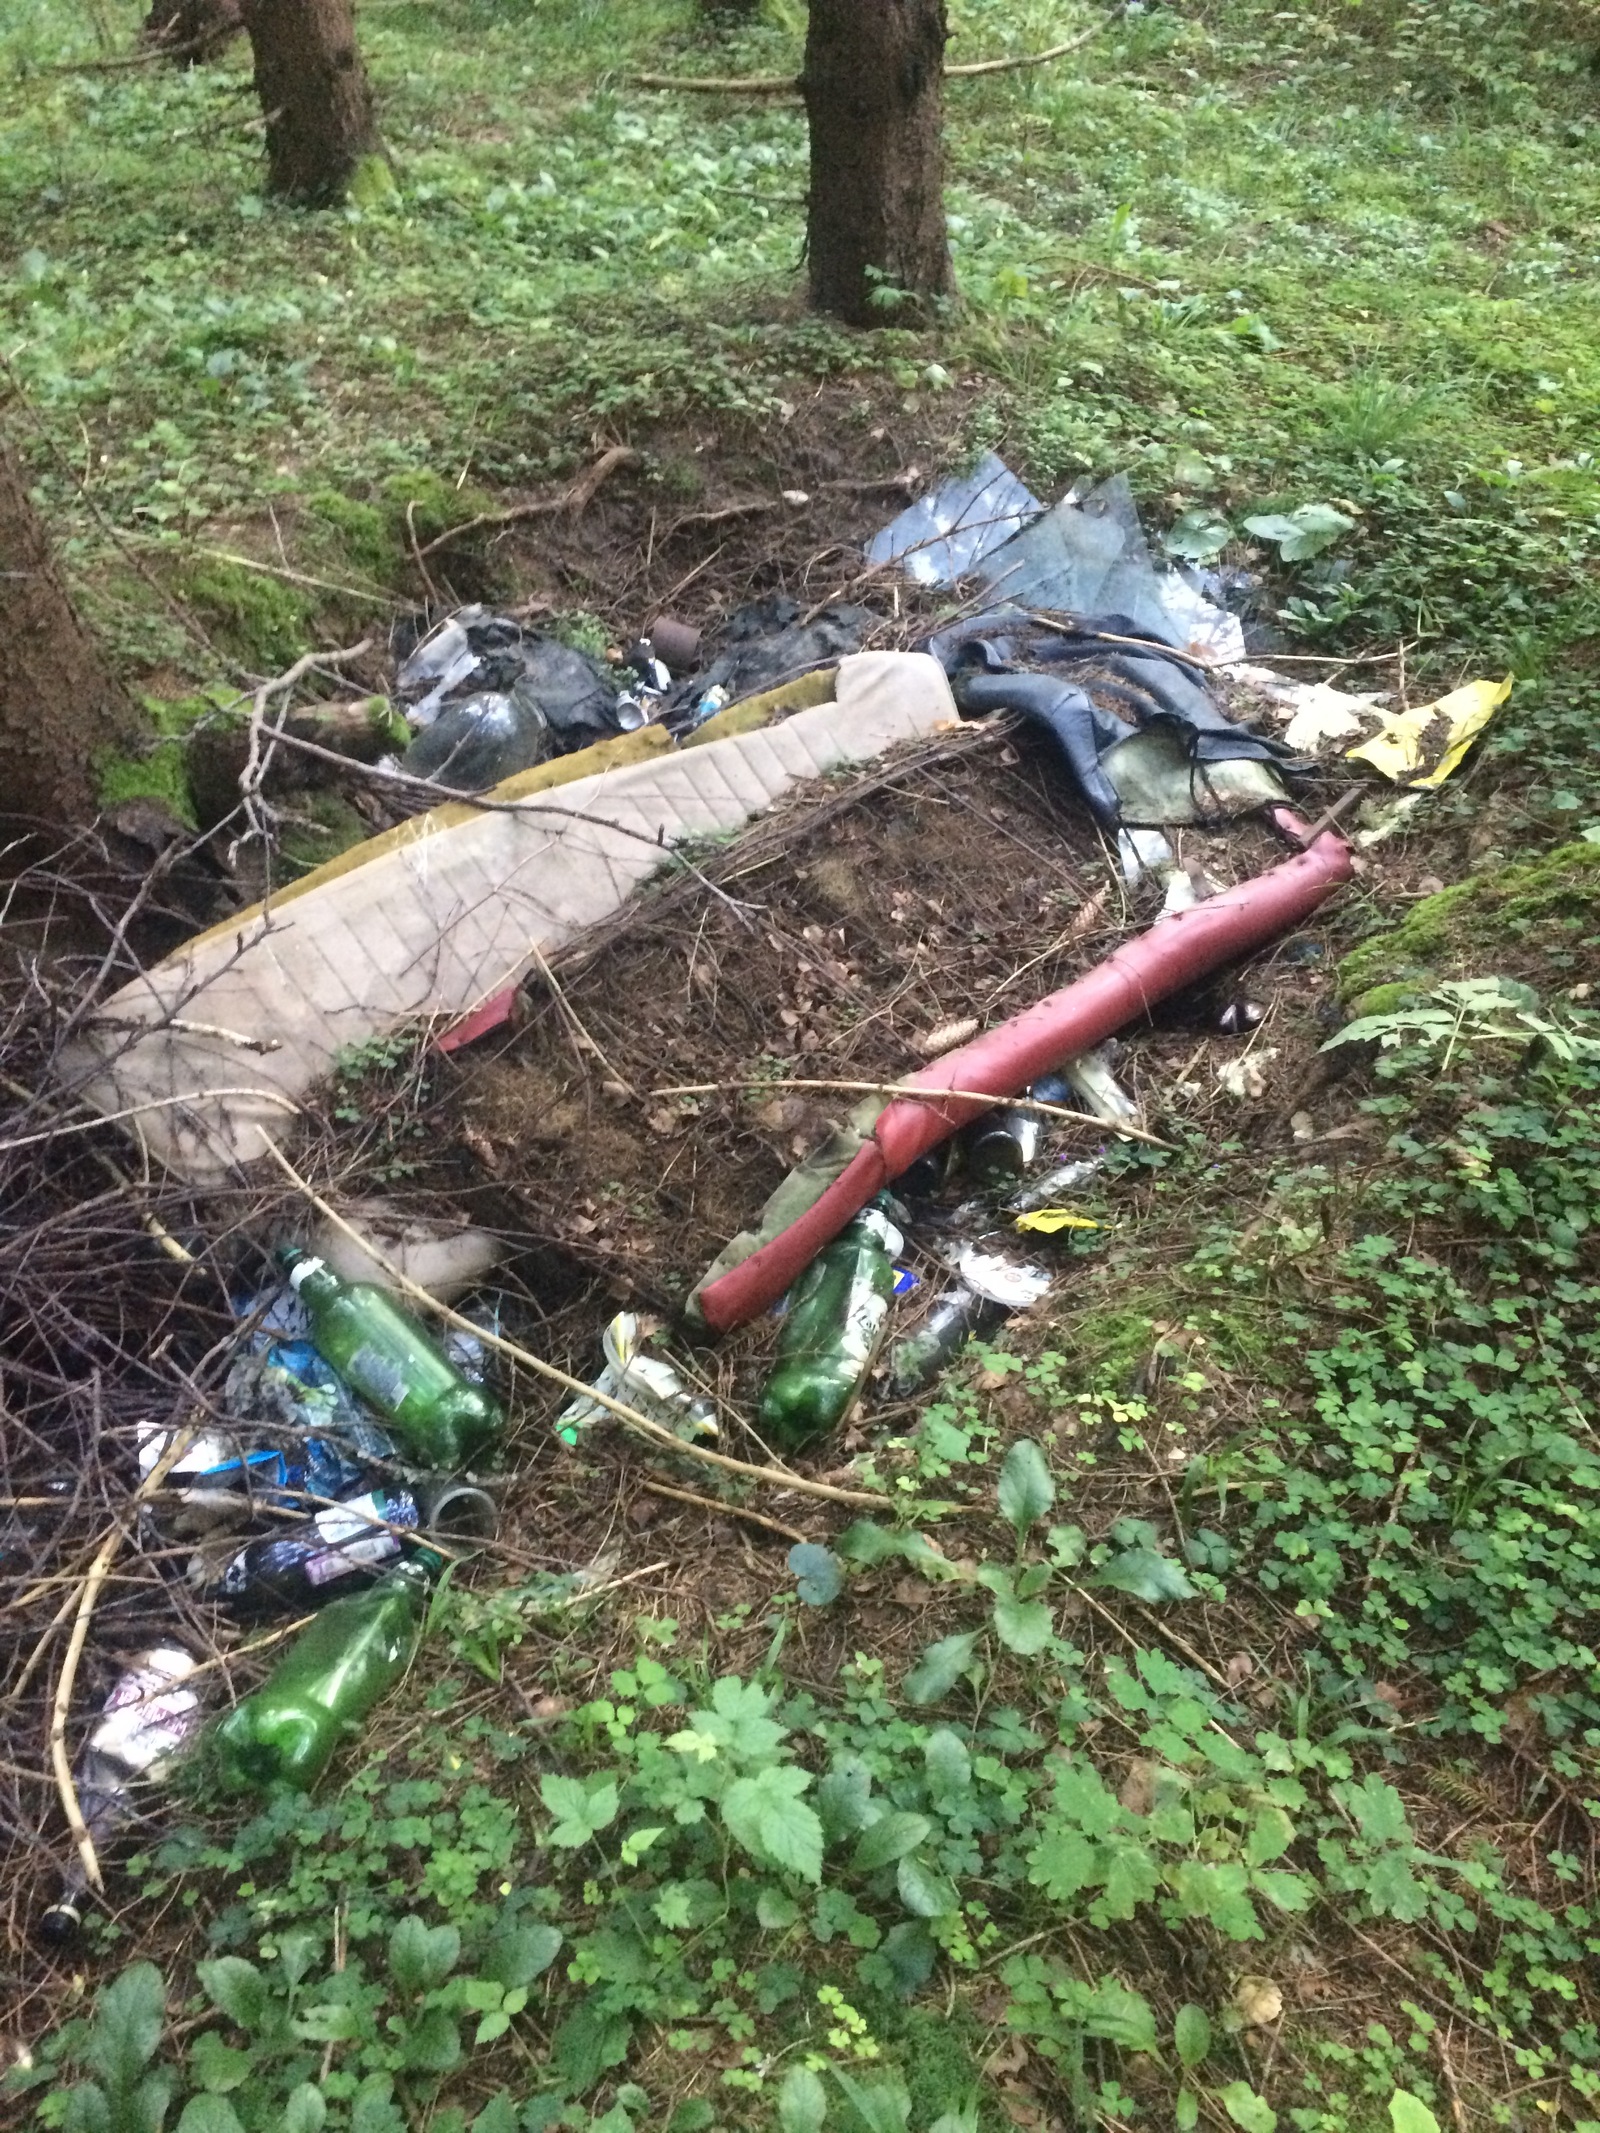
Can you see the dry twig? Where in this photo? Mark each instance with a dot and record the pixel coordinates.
(932, 1096)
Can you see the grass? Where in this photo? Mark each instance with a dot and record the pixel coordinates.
(1258, 257)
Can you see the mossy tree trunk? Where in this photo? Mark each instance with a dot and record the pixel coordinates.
(59, 706)
(314, 94)
(873, 85)
(192, 31)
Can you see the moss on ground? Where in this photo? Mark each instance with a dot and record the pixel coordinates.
(325, 825)
(260, 620)
(1534, 920)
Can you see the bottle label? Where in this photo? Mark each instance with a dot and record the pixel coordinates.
(147, 1716)
(350, 1555)
(376, 1376)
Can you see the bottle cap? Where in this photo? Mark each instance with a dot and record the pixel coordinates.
(303, 1267)
(60, 1923)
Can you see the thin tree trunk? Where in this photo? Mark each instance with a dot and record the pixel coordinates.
(873, 90)
(192, 31)
(315, 96)
(60, 709)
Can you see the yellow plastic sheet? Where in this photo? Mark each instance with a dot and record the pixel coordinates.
(1048, 1220)
(1395, 749)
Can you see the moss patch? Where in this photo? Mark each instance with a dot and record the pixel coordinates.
(263, 622)
(1533, 920)
(158, 774)
(344, 534)
(326, 826)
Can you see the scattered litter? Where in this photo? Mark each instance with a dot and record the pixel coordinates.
(1317, 713)
(487, 698)
(1045, 1190)
(1396, 749)
(151, 1715)
(945, 535)
(1098, 1088)
(645, 1382)
(1050, 1221)
(988, 1289)
(1246, 1077)
(830, 1331)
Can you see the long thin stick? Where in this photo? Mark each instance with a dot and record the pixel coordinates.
(155, 1103)
(575, 499)
(790, 84)
(728, 1510)
(932, 1096)
(773, 1476)
(90, 1592)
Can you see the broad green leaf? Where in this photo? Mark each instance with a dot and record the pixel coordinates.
(908, 1949)
(86, 2109)
(1027, 1487)
(1303, 533)
(580, 1809)
(1023, 1626)
(492, 2025)
(1130, 1875)
(433, 2042)
(420, 1956)
(1192, 470)
(924, 1893)
(216, 2066)
(1379, 1811)
(1393, 1890)
(940, 1668)
(304, 2111)
(964, 2119)
(776, 1910)
(844, 1798)
(235, 1989)
(1063, 1862)
(516, 1955)
(1186, 2111)
(1409, 2114)
(819, 1577)
(1191, 2033)
(1247, 2109)
(1198, 535)
(499, 2115)
(802, 2101)
(373, 2108)
(766, 1814)
(209, 2114)
(888, 1839)
(1145, 1574)
(127, 2026)
(883, 2104)
(1271, 1835)
(948, 1763)
(1287, 1892)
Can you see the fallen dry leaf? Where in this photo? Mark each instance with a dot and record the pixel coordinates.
(1138, 1787)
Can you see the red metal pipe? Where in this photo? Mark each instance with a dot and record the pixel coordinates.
(1176, 952)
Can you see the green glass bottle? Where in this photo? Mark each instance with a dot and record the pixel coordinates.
(835, 1312)
(441, 1418)
(286, 1732)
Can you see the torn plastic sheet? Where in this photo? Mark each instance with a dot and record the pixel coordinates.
(1316, 711)
(1396, 749)
(488, 698)
(945, 536)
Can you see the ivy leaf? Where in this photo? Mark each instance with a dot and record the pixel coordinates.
(925, 1893)
(1303, 533)
(1145, 1574)
(802, 2101)
(1027, 1487)
(420, 1956)
(1197, 535)
(127, 2026)
(580, 1808)
(1409, 2114)
(1247, 2110)
(1191, 2033)
(1023, 1626)
(766, 1814)
(888, 1839)
(940, 1668)
(819, 1575)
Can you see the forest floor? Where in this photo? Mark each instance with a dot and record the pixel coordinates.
(1238, 1757)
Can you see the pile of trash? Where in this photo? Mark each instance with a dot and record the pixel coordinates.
(352, 1452)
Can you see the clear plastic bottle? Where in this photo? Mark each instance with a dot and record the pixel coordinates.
(334, 1675)
(836, 1311)
(440, 1417)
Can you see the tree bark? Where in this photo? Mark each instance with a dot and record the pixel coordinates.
(59, 706)
(315, 95)
(192, 31)
(873, 88)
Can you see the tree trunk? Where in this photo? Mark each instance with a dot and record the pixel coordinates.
(873, 88)
(315, 94)
(59, 707)
(192, 30)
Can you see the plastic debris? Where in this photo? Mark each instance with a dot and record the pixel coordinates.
(488, 698)
(1050, 1221)
(1246, 1077)
(149, 1718)
(1396, 749)
(1098, 1088)
(1063, 1178)
(988, 1289)
(947, 534)
(830, 1331)
(648, 1383)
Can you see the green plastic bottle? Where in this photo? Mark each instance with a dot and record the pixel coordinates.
(441, 1418)
(327, 1683)
(835, 1312)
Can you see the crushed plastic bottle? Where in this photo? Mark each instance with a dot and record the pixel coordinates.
(1060, 1179)
(344, 1545)
(986, 1291)
(150, 1717)
(645, 1382)
(836, 1311)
